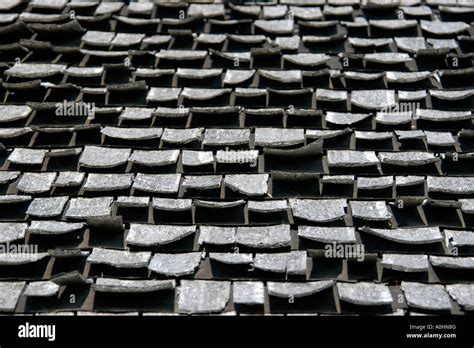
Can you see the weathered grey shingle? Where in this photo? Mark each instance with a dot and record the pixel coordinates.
(159, 94)
(460, 238)
(440, 138)
(9, 113)
(27, 156)
(409, 158)
(68, 179)
(365, 294)
(217, 235)
(328, 234)
(83, 208)
(270, 237)
(154, 158)
(286, 290)
(47, 207)
(451, 184)
(119, 258)
(285, 76)
(268, 206)
(132, 133)
(348, 158)
(202, 182)
(11, 231)
(409, 180)
(107, 182)
(197, 158)
(34, 70)
(387, 57)
(158, 183)
(175, 265)
(204, 93)
(307, 59)
(10, 293)
(279, 26)
(200, 296)
(234, 77)
(98, 38)
(132, 286)
(21, 258)
(443, 115)
(133, 113)
(374, 183)
(248, 184)
(36, 182)
(181, 136)
(127, 39)
(53, 227)
(226, 137)
(248, 293)
(232, 258)
(426, 296)
(344, 118)
(172, 204)
(103, 157)
(463, 294)
(292, 263)
(321, 210)
(405, 263)
(370, 210)
(149, 235)
(452, 262)
(419, 235)
(443, 28)
(373, 99)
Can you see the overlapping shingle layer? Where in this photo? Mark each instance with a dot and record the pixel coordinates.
(300, 156)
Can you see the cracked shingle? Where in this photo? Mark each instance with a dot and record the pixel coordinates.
(200, 296)
(248, 184)
(426, 296)
(463, 294)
